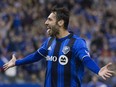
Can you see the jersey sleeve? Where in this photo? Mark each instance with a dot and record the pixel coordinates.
(43, 49)
(34, 57)
(81, 52)
(80, 49)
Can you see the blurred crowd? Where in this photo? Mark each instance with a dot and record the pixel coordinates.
(22, 31)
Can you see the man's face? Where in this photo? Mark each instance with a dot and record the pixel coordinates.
(52, 26)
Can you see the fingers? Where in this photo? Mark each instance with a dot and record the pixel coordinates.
(108, 74)
(103, 77)
(11, 63)
(5, 66)
(13, 56)
(112, 72)
(109, 64)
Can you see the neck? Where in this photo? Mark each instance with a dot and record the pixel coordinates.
(62, 33)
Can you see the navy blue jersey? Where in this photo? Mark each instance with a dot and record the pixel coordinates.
(64, 61)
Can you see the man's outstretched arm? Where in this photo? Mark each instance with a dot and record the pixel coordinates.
(36, 56)
(81, 52)
(104, 72)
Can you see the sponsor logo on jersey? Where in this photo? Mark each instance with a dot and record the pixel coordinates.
(63, 60)
(66, 49)
(52, 58)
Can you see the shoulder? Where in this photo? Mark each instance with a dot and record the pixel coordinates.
(79, 39)
(48, 39)
(79, 42)
(45, 43)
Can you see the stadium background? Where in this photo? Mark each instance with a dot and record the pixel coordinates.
(22, 31)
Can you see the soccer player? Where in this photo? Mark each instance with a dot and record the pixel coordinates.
(66, 54)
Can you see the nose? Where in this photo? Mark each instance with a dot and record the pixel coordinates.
(46, 22)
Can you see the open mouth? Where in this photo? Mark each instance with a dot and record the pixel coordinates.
(48, 29)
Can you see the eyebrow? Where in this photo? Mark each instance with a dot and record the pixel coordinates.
(49, 18)
(54, 12)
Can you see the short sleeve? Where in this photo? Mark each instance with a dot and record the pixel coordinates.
(80, 49)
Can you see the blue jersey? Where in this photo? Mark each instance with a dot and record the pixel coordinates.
(64, 61)
(66, 58)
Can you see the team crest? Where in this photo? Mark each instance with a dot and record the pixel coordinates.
(66, 49)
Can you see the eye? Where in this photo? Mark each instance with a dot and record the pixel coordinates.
(49, 19)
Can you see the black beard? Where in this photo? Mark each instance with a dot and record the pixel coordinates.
(55, 31)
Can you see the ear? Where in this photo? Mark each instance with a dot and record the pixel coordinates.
(61, 22)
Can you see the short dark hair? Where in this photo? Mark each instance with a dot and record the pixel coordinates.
(62, 13)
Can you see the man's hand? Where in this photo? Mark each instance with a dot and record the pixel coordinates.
(11, 63)
(105, 72)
